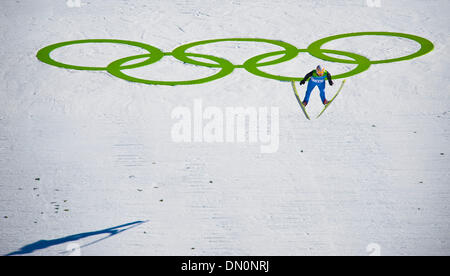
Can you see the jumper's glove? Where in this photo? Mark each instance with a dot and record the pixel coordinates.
(331, 82)
(302, 82)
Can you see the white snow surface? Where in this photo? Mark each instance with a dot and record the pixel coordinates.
(84, 151)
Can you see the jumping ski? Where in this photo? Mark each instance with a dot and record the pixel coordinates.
(299, 101)
(328, 104)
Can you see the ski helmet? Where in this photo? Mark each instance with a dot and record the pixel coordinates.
(320, 70)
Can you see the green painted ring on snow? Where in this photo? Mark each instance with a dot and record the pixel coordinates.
(251, 65)
(290, 51)
(44, 54)
(426, 46)
(115, 69)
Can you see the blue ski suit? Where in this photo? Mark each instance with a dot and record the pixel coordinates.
(316, 80)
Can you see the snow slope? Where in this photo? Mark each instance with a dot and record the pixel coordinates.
(82, 152)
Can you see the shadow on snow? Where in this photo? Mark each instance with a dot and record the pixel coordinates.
(42, 244)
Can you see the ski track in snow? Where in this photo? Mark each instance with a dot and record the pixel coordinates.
(85, 151)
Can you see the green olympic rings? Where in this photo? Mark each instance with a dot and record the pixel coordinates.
(251, 65)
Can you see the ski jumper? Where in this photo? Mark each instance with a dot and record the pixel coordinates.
(316, 80)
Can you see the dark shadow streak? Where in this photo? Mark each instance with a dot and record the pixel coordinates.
(42, 244)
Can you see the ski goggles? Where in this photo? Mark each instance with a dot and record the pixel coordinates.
(320, 72)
